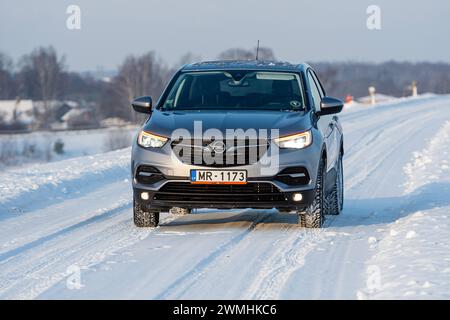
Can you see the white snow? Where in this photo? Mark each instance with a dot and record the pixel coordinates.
(66, 227)
(419, 243)
(35, 183)
(18, 149)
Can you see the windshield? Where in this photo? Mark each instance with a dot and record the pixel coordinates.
(235, 90)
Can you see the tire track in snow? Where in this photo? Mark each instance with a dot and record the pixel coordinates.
(391, 107)
(272, 277)
(41, 241)
(29, 273)
(363, 125)
(379, 153)
(275, 273)
(181, 285)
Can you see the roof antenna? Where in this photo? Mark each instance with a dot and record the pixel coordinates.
(257, 50)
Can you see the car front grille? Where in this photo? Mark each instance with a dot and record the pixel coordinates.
(185, 191)
(235, 152)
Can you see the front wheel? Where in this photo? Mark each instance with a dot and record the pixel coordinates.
(335, 200)
(143, 217)
(313, 215)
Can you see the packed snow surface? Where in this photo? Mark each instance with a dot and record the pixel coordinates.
(66, 227)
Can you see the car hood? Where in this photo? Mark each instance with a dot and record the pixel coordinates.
(165, 122)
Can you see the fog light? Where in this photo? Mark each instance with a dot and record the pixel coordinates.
(297, 197)
(144, 196)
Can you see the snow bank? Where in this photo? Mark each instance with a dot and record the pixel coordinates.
(413, 260)
(431, 164)
(46, 181)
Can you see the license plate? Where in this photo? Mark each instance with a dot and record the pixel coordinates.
(219, 176)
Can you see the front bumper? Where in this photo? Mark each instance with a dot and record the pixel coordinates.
(172, 170)
(162, 200)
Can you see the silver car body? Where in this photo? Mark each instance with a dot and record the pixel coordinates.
(326, 133)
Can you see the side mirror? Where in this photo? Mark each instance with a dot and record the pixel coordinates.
(330, 105)
(142, 104)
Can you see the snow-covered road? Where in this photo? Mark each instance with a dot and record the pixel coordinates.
(71, 220)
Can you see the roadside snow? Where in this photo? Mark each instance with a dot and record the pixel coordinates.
(431, 164)
(413, 259)
(40, 183)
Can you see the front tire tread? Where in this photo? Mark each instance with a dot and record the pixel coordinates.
(143, 217)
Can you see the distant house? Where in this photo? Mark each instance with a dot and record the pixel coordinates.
(16, 114)
(62, 109)
(58, 115)
(57, 108)
(66, 114)
(79, 118)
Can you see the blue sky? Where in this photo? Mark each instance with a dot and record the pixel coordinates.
(297, 30)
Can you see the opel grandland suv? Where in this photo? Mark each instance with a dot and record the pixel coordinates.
(239, 134)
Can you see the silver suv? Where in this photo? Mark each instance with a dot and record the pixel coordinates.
(239, 134)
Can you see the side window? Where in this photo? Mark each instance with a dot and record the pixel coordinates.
(314, 92)
(318, 83)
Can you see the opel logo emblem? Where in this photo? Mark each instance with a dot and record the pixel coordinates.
(295, 103)
(216, 146)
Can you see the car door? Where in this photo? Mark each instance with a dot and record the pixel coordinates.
(326, 123)
(334, 139)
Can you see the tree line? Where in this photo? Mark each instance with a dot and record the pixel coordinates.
(391, 77)
(42, 75)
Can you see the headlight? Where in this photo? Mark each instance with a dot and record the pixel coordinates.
(149, 140)
(295, 141)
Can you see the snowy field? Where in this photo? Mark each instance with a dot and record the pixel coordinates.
(47, 146)
(66, 229)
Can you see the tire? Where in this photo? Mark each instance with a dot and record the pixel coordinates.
(335, 200)
(313, 215)
(143, 217)
(180, 211)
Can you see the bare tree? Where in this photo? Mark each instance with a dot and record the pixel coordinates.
(7, 83)
(140, 75)
(237, 54)
(328, 77)
(188, 58)
(40, 75)
(244, 54)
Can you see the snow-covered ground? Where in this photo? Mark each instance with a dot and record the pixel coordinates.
(46, 146)
(66, 228)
